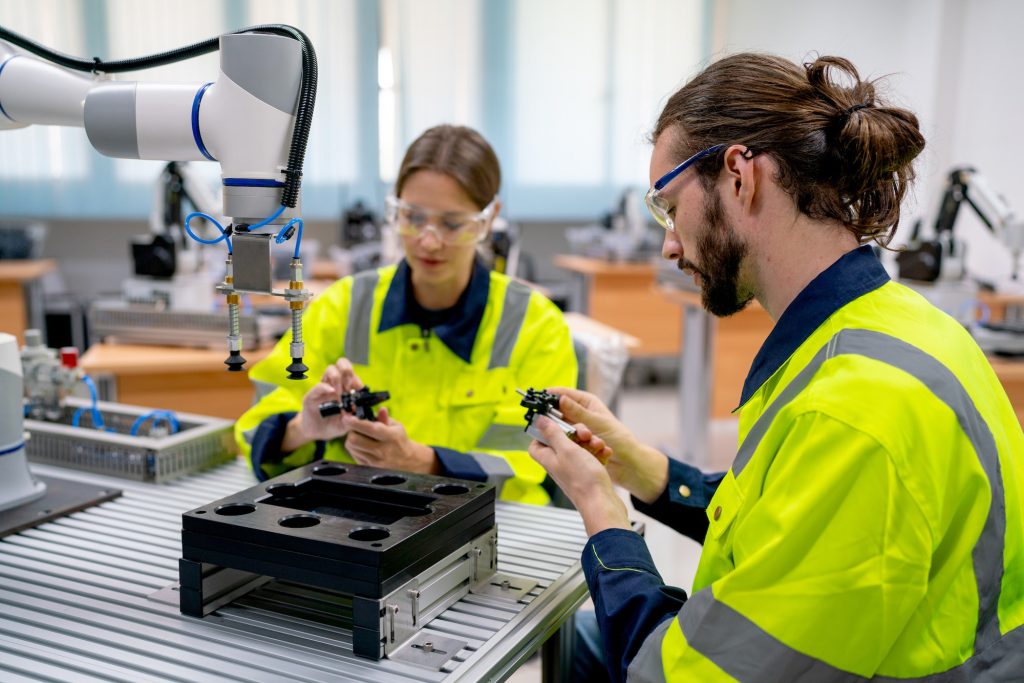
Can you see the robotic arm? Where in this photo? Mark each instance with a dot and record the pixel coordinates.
(967, 185)
(254, 120)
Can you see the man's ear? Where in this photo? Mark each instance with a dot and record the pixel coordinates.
(740, 170)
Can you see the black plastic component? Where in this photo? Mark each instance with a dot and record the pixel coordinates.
(356, 402)
(297, 369)
(538, 402)
(154, 258)
(235, 362)
(337, 530)
(920, 261)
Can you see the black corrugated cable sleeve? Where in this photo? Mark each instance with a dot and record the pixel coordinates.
(307, 86)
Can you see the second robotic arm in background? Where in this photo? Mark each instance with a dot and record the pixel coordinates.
(943, 256)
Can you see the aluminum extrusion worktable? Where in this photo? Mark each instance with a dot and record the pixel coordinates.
(74, 602)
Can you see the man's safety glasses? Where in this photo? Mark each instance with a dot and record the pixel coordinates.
(450, 227)
(659, 206)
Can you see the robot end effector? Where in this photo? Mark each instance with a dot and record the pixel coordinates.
(254, 120)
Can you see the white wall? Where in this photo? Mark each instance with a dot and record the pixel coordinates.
(953, 62)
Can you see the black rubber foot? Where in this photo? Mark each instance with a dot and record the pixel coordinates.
(235, 362)
(297, 370)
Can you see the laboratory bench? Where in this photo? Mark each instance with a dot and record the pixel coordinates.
(85, 598)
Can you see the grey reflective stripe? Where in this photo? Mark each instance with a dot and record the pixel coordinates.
(497, 469)
(1000, 663)
(262, 388)
(360, 310)
(647, 666)
(505, 438)
(250, 434)
(513, 312)
(744, 650)
(988, 551)
(747, 652)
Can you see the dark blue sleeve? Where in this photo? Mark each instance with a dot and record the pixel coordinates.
(266, 443)
(683, 503)
(459, 465)
(630, 598)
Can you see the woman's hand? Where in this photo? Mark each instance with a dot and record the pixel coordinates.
(307, 426)
(385, 444)
(636, 467)
(578, 469)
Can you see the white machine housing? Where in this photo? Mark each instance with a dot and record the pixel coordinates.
(17, 486)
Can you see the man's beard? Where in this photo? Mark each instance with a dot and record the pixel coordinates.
(721, 254)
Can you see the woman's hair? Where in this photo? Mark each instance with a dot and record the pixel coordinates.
(841, 153)
(458, 152)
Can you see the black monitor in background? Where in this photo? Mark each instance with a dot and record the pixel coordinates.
(17, 243)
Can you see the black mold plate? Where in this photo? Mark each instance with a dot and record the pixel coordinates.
(355, 528)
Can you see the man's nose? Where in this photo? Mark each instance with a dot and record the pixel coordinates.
(671, 249)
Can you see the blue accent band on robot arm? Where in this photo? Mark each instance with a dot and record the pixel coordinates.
(2, 110)
(13, 449)
(252, 182)
(196, 135)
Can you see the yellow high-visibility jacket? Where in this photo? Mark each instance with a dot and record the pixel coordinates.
(452, 387)
(871, 526)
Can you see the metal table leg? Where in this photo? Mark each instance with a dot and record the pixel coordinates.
(695, 373)
(35, 305)
(557, 653)
(580, 293)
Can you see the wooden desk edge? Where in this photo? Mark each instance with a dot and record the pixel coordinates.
(582, 323)
(25, 270)
(587, 265)
(137, 359)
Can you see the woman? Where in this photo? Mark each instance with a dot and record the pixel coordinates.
(448, 339)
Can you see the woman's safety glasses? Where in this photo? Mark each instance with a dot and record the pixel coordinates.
(659, 206)
(450, 227)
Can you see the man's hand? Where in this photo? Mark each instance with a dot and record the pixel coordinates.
(307, 426)
(638, 468)
(578, 470)
(384, 443)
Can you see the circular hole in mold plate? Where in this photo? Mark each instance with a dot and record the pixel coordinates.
(376, 545)
(282, 490)
(388, 479)
(369, 533)
(450, 489)
(299, 521)
(235, 509)
(329, 470)
(200, 512)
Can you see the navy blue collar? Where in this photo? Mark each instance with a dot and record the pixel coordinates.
(461, 321)
(855, 273)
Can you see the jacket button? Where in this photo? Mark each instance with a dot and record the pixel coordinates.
(718, 512)
(684, 491)
(469, 393)
(415, 347)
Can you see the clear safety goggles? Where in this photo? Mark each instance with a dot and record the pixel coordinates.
(450, 227)
(659, 206)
